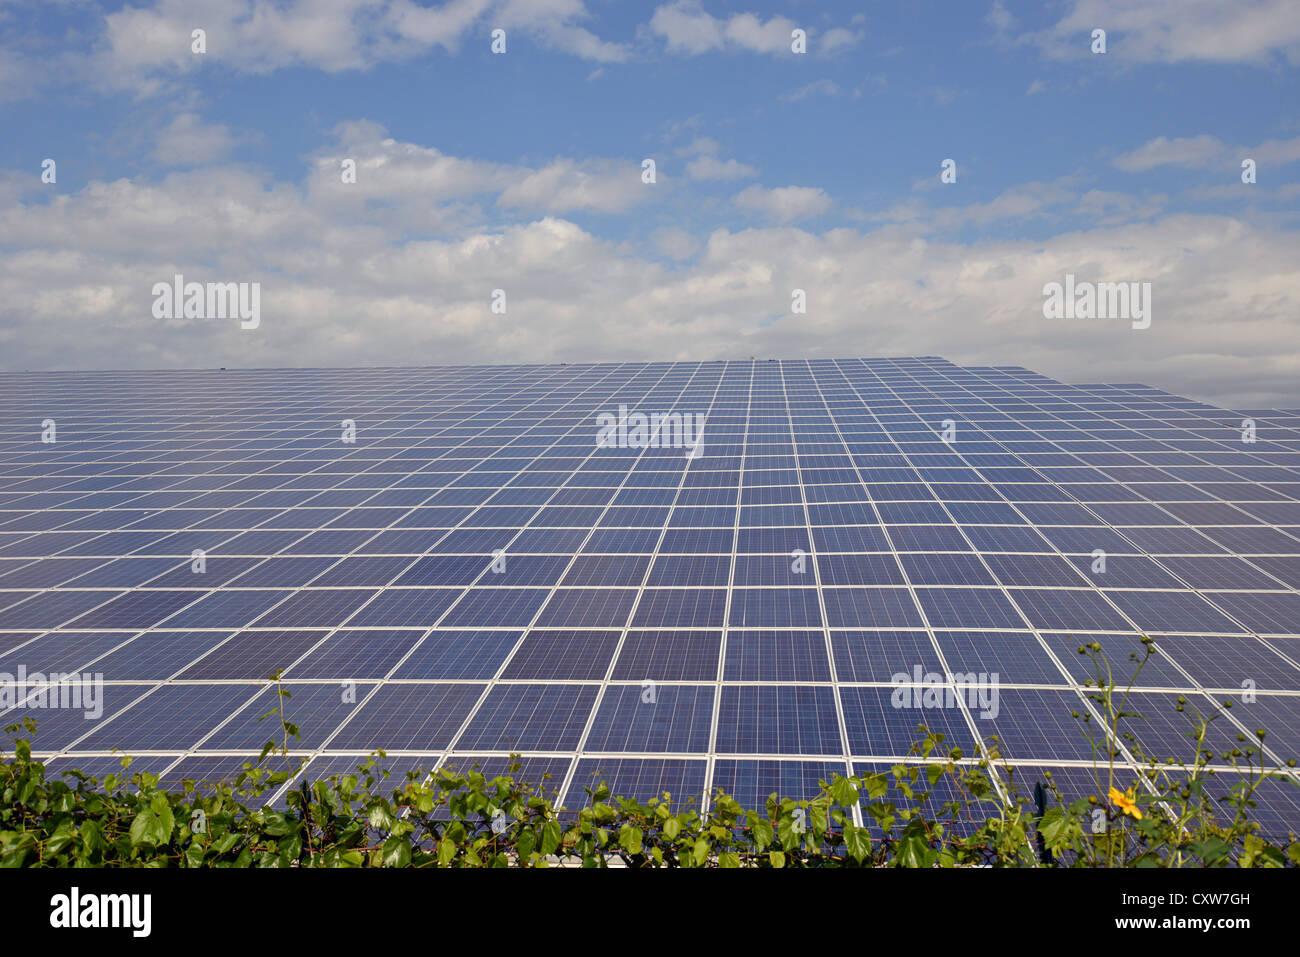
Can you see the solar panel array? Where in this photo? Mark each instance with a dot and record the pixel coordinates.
(447, 563)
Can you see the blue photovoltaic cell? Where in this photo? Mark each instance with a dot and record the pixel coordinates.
(563, 656)
(587, 608)
(541, 773)
(458, 655)
(355, 655)
(173, 717)
(315, 607)
(641, 779)
(530, 717)
(878, 656)
(475, 576)
(225, 609)
(680, 608)
(668, 656)
(776, 656)
(252, 654)
(886, 721)
(1067, 610)
(207, 771)
(870, 608)
(414, 717)
(395, 607)
(1265, 613)
(52, 608)
(496, 607)
(752, 782)
(662, 718)
(774, 608)
(1159, 730)
(1039, 725)
(954, 607)
(1160, 611)
(58, 769)
(60, 652)
(1229, 663)
(767, 719)
(1015, 658)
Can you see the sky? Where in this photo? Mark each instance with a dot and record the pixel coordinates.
(501, 210)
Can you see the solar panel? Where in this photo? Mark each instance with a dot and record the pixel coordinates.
(790, 597)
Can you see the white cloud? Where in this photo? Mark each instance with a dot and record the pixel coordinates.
(675, 243)
(1017, 203)
(143, 46)
(1000, 18)
(600, 186)
(1205, 152)
(701, 145)
(1177, 31)
(342, 291)
(688, 29)
(416, 183)
(188, 141)
(837, 40)
(1191, 151)
(784, 204)
(708, 166)
(748, 32)
(711, 168)
(816, 88)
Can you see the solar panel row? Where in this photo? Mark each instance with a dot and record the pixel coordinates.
(448, 563)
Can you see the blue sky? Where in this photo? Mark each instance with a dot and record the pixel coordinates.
(775, 171)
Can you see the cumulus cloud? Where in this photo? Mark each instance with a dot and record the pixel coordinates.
(1179, 31)
(838, 39)
(1205, 152)
(344, 290)
(816, 88)
(188, 141)
(784, 204)
(710, 167)
(686, 28)
(420, 184)
(600, 186)
(144, 46)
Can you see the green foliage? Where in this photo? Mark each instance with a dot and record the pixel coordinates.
(1170, 818)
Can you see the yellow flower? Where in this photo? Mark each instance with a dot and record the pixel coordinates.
(1124, 801)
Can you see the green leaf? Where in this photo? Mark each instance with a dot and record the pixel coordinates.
(912, 852)
(446, 851)
(629, 838)
(397, 852)
(700, 853)
(153, 825)
(857, 841)
(877, 785)
(843, 791)
(552, 834)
